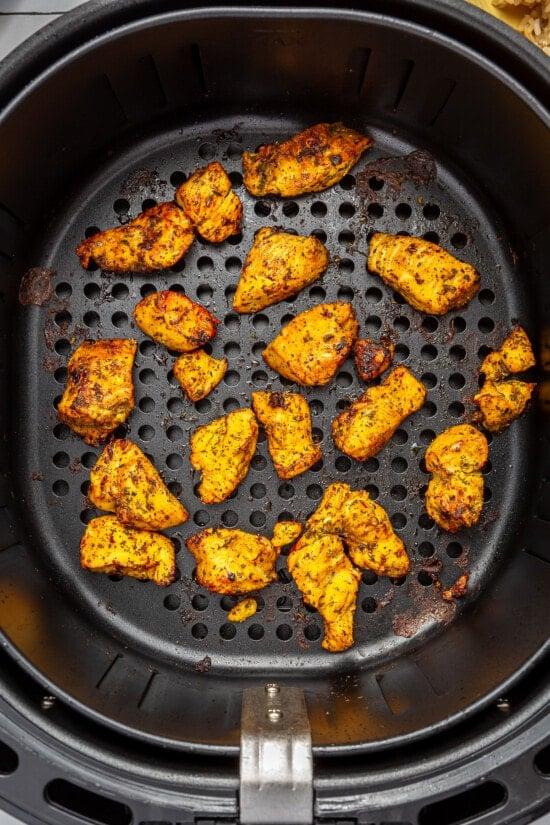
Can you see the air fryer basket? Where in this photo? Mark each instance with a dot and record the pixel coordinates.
(135, 100)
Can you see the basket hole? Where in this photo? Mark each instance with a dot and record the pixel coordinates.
(430, 324)
(199, 631)
(121, 206)
(172, 602)
(375, 210)
(399, 464)
(207, 151)
(457, 353)
(91, 319)
(262, 209)
(427, 436)
(428, 352)
(316, 406)
(232, 349)
(398, 298)
(317, 435)
(199, 602)
(373, 491)
(229, 518)
(403, 211)
(147, 289)
(260, 322)
(290, 209)
(146, 433)
(369, 577)
(401, 324)
(90, 231)
(236, 178)
(228, 631)
(402, 352)
(372, 465)
(429, 380)
(425, 579)
(148, 203)
(342, 464)
(119, 319)
(456, 409)
(256, 632)
(457, 380)
(459, 240)
(486, 296)
(312, 632)
(400, 436)
(258, 491)
(398, 492)
(344, 379)
(88, 460)
(347, 210)
(147, 376)
(429, 409)
(486, 325)
(259, 377)
(201, 518)
(432, 237)
(87, 515)
(317, 293)
(373, 295)
(61, 431)
(454, 549)
(458, 324)
(84, 804)
(314, 492)
(426, 522)
(174, 405)
(376, 184)
(426, 549)
(398, 581)
(231, 378)
(346, 237)
(60, 375)
(259, 462)
(257, 518)
(174, 461)
(235, 240)
(177, 178)
(347, 182)
(368, 605)
(64, 290)
(284, 632)
(320, 234)
(373, 324)
(431, 211)
(203, 406)
(64, 318)
(284, 604)
(399, 520)
(60, 487)
(541, 761)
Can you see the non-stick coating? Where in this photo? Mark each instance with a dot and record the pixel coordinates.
(184, 622)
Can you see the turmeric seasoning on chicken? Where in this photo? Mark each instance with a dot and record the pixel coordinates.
(287, 421)
(99, 394)
(372, 358)
(175, 321)
(210, 203)
(277, 266)
(124, 481)
(428, 277)
(199, 373)
(232, 561)
(108, 546)
(312, 347)
(454, 498)
(310, 161)
(156, 239)
(222, 451)
(368, 424)
(501, 400)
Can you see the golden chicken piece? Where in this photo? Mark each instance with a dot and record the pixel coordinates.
(454, 497)
(311, 161)
(125, 482)
(199, 373)
(287, 422)
(175, 321)
(368, 424)
(210, 203)
(329, 582)
(371, 358)
(514, 355)
(428, 277)
(108, 546)
(99, 394)
(277, 266)
(285, 532)
(222, 451)
(312, 347)
(501, 402)
(156, 239)
(243, 610)
(232, 561)
(364, 527)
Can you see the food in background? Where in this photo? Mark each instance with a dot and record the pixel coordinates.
(175, 320)
(210, 203)
(287, 421)
(199, 373)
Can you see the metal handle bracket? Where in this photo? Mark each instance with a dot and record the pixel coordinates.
(276, 758)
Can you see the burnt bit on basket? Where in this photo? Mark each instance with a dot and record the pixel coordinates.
(36, 286)
(418, 167)
(457, 590)
(204, 665)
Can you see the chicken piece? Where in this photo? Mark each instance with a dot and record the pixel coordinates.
(285, 532)
(457, 590)
(108, 546)
(222, 451)
(156, 239)
(243, 610)
(198, 373)
(501, 402)
(311, 161)
(364, 527)
(428, 277)
(514, 355)
(277, 266)
(175, 321)
(232, 561)
(210, 203)
(454, 497)
(368, 424)
(312, 347)
(287, 422)
(329, 582)
(372, 359)
(125, 482)
(99, 394)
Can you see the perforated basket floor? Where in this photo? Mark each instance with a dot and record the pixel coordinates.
(184, 623)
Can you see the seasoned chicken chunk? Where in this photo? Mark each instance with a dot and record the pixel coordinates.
(311, 161)
(277, 266)
(125, 482)
(514, 355)
(232, 561)
(210, 203)
(175, 320)
(100, 392)
(285, 532)
(243, 610)
(156, 239)
(364, 527)
(222, 451)
(311, 348)
(199, 373)
(501, 401)
(454, 497)
(287, 422)
(329, 582)
(371, 358)
(428, 277)
(368, 424)
(108, 546)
